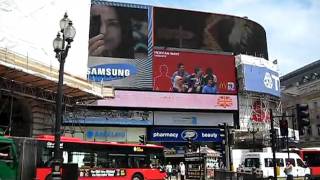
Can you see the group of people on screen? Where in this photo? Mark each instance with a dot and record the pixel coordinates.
(197, 82)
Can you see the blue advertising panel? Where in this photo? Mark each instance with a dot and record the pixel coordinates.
(182, 134)
(261, 79)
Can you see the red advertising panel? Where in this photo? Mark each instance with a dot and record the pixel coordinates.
(193, 72)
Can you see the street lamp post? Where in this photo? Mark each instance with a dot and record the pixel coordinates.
(61, 47)
(253, 131)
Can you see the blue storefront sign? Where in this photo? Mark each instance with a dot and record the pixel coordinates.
(109, 72)
(261, 79)
(105, 134)
(182, 134)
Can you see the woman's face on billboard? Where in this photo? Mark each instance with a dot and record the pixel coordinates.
(110, 26)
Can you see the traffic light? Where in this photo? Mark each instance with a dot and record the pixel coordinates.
(303, 116)
(189, 144)
(283, 127)
(231, 138)
(142, 139)
(223, 132)
(273, 135)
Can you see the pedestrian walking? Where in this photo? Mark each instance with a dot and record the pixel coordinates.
(288, 171)
(182, 169)
(169, 170)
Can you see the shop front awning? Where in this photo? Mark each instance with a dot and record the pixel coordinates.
(25, 77)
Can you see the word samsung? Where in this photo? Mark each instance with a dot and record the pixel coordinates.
(109, 72)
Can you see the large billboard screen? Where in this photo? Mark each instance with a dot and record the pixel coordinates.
(193, 72)
(118, 45)
(260, 79)
(207, 31)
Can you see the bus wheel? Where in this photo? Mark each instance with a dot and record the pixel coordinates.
(307, 177)
(137, 177)
(270, 178)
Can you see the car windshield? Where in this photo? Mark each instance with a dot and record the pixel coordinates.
(252, 162)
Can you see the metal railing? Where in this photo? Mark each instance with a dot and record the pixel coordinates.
(230, 175)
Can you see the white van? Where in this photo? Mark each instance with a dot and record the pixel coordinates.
(261, 163)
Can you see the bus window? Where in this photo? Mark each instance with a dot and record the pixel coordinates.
(252, 162)
(300, 163)
(137, 161)
(312, 159)
(117, 161)
(268, 162)
(155, 160)
(280, 162)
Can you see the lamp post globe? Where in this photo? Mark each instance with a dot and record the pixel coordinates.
(64, 22)
(69, 32)
(58, 43)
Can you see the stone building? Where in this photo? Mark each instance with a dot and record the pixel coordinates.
(302, 86)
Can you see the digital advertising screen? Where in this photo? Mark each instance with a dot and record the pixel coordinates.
(193, 72)
(206, 31)
(260, 79)
(118, 45)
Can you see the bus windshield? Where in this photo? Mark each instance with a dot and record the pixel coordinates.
(312, 158)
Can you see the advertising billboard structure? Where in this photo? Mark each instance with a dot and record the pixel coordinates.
(165, 118)
(162, 134)
(193, 72)
(258, 75)
(119, 44)
(123, 37)
(207, 31)
(144, 99)
(112, 117)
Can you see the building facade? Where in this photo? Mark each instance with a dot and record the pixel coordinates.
(302, 87)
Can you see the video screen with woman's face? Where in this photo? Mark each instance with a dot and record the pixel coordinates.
(118, 32)
(118, 45)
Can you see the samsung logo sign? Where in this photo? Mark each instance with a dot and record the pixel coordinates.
(109, 72)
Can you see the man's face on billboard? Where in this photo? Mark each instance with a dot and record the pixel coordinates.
(181, 68)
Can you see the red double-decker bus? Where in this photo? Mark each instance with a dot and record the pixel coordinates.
(31, 158)
(312, 158)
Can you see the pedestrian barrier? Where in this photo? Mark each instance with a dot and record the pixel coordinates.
(230, 175)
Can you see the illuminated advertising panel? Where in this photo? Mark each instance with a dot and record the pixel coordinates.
(183, 134)
(113, 117)
(140, 99)
(166, 118)
(118, 45)
(207, 31)
(193, 72)
(260, 79)
(99, 133)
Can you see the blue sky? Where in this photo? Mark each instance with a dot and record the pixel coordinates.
(292, 26)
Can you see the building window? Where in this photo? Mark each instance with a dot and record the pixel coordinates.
(318, 127)
(315, 104)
